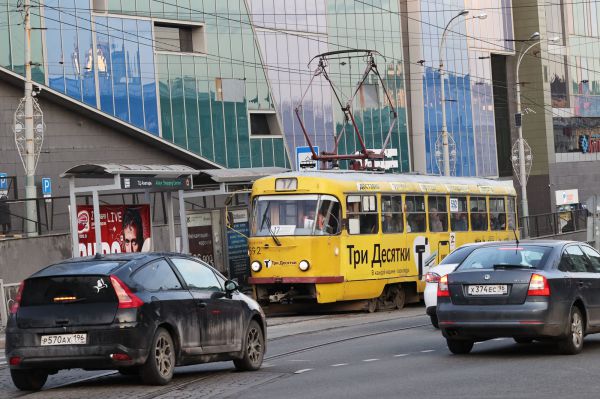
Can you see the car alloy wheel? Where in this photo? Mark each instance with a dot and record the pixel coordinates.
(576, 329)
(253, 349)
(163, 356)
(159, 366)
(573, 342)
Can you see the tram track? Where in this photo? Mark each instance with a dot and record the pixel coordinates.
(175, 386)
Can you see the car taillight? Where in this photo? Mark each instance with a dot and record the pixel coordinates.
(15, 306)
(443, 287)
(127, 299)
(432, 277)
(538, 286)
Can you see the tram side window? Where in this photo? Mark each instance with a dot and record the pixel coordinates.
(497, 214)
(459, 214)
(391, 214)
(438, 214)
(512, 214)
(362, 214)
(415, 214)
(328, 217)
(479, 221)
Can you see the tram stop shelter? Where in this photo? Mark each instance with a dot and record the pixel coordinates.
(180, 182)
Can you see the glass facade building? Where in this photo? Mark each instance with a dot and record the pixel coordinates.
(466, 56)
(574, 78)
(222, 78)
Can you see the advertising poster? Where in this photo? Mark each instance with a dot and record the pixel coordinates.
(124, 228)
(200, 236)
(237, 245)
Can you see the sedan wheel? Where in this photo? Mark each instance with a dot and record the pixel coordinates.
(254, 349)
(459, 346)
(29, 380)
(159, 366)
(573, 342)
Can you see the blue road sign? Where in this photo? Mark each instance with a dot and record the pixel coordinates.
(304, 159)
(3, 181)
(47, 186)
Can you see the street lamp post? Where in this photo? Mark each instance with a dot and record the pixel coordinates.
(445, 141)
(523, 158)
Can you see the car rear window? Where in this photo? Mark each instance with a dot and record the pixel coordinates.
(531, 256)
(67, 289)
(457, 256)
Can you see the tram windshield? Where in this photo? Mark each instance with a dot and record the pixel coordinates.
(295, 215)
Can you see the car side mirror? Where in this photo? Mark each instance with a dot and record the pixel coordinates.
(230, 286)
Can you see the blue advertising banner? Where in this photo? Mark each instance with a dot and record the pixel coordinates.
(237, 245)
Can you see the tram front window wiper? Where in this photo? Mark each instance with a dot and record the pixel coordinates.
(273, 236)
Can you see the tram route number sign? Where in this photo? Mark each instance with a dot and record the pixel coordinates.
(304, 159)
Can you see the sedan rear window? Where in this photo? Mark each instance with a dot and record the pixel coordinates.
(457, 256)
(67, 289)
(526, 256)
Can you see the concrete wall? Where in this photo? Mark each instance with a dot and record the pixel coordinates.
(19, 258)
(575, 175)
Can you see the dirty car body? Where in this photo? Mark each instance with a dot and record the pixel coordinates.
(104, 312)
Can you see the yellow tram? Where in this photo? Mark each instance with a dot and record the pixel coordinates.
(332, 236)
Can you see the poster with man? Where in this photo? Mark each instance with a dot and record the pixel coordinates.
(124, 228)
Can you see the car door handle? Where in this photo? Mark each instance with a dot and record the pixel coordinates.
(201, 304)
(581, 284)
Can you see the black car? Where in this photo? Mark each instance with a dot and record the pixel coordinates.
(534, 290)
(137, 313)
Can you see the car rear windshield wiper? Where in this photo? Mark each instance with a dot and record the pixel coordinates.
(509, 266)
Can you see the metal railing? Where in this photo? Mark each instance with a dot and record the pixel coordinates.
(553, 224)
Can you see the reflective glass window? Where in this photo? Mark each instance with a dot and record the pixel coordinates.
(197, 275)
(415, 214)
(362, 214)
(479, 216)
(391, 214)
(459, 214)
(438, 214)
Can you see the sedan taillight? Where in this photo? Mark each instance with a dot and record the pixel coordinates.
(432, 277)
(15, 305)
(443, 287)
(538, 286)
(127, 299)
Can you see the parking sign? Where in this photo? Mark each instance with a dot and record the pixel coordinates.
(47, 188)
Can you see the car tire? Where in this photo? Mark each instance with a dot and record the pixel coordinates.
(459, 346)
(29, 380)
(572, 344)
(160, 364)
(253, 349)
(434, 321)
(523, 340)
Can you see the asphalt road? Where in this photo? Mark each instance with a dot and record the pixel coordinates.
(383, 355)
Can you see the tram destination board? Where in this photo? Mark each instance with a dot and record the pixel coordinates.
(157, 183)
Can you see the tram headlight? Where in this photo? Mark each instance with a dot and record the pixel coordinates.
(255, 266)
(304, 265)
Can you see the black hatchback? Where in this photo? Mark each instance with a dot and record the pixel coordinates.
(534, 290)
(137, 313)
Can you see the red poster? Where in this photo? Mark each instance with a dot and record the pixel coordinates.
(124, 228)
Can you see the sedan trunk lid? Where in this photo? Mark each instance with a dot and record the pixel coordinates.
(499, 286)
